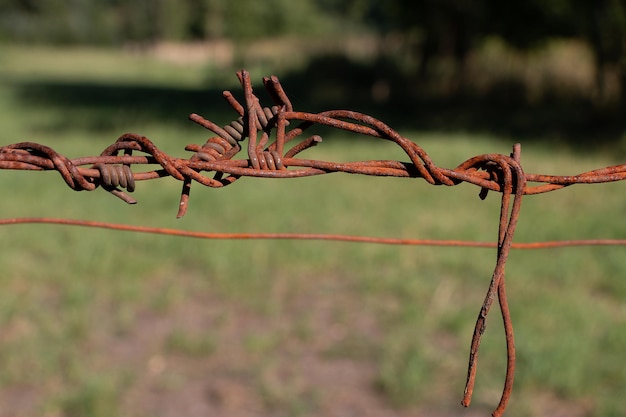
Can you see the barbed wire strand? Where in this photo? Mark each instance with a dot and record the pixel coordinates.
(115, 171)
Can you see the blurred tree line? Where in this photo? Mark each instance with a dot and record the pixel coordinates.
(432, 28)
(122, 21)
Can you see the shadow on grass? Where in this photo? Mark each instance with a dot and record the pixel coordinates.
(333, 82)
(100, 106)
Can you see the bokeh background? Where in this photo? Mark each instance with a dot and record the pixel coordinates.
(99, 323)
(532, 68)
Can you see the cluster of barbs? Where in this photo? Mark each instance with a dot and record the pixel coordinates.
(266, 129)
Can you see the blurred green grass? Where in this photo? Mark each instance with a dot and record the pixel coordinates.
(96, 321)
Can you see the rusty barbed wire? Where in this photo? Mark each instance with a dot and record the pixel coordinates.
(265, 128)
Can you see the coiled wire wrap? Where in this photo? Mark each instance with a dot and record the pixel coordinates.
(113, 176)
(116, 176)
(214, 149)
(236, 130)
(253, 118)
(270, 160)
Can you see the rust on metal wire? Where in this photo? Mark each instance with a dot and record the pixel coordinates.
(275, 138)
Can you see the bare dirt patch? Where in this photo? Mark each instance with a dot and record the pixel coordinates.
(313, 355)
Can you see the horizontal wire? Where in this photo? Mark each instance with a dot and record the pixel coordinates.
(307, 236)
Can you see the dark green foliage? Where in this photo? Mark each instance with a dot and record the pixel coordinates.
(113, 21)
(429, 29)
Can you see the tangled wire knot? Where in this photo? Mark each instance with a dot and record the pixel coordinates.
(269, 130)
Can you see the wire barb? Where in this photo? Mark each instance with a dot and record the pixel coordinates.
(268, 130)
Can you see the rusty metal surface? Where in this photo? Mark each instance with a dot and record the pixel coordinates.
(275, 137)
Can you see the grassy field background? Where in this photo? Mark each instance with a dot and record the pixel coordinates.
(101, 323)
